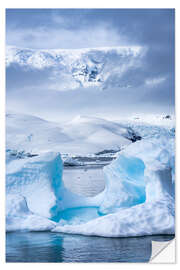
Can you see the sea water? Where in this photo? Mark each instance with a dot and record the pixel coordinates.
(57, 247)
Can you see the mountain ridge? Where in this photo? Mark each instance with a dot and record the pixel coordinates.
(101, 67)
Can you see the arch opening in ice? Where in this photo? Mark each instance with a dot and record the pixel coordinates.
(138, 198)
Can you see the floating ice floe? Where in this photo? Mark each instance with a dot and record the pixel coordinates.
(72, 162)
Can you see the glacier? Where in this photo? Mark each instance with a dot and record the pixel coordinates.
(138, 198)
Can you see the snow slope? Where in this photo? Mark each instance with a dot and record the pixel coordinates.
(81, 136)
(32, 134)
(71, 69)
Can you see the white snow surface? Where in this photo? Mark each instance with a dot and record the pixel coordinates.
(81, 136)
(138, 198)
(19, 217)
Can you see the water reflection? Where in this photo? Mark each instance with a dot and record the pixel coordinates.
(57, 247)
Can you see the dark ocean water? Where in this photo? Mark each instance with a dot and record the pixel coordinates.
(57, 247)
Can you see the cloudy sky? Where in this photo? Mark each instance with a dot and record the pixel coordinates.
(152, 29)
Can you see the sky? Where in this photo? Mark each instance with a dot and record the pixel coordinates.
(152, 29)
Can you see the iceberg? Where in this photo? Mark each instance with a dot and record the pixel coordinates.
(125, 184)
(139, 195)
(37, 179)
(140, 220)
(69, 161)
(138, 198)
(19, 217)
(34, 188)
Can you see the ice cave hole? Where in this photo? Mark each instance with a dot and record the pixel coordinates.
(128, 171)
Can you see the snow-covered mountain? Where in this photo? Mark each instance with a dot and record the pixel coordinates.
(81, 136)
(71, 69)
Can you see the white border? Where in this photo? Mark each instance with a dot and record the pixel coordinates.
(2, 134)
(74, 4)
(167, 253)
(90, 4)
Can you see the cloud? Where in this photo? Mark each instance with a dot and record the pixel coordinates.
(72, 19)
(148, 87)
(154, 81)
(47, 38)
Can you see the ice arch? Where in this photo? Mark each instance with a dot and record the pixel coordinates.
(138, 198)
(148, 206)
